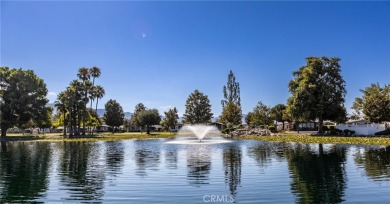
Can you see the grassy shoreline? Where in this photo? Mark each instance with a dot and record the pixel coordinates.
(306, 139)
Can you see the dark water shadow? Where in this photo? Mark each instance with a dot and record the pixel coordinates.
(24, 171)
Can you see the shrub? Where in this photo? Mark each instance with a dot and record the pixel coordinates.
(352, 132)
(335, 131)
(227, 130)
(272, 128)
(346, 132)
(384, 132)
(325, 128)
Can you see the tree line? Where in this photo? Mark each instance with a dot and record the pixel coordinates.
(71, 103)
(317, 94)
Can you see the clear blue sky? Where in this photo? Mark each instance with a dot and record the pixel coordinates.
(158, 53)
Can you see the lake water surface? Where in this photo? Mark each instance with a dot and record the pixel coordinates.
(152, 171)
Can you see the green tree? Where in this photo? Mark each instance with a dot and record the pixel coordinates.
(93, 120)
(261, 115)
(171, 117)
(318, 91)
(231, 91)
(65, 105)
(231, 104)
(60, 105)
(375, 103)
(44, 118)
(198, 108)
(76, 95)
(134, 118)
(248, 118)
(231, 114)
(94, 72)
(99, 94)
(278, 113)
(148, 118)
(23, 94)
(84, 76)
(114, 115)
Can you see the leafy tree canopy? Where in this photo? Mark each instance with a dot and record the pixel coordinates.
(138, 109)
(261, 115)
(198, 108)
(114, 115)
(375, 103)
(171, 117)
(231, 114)
(318, 91)
(148, 118)
(23, 96)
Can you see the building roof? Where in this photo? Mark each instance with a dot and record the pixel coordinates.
(357, 121)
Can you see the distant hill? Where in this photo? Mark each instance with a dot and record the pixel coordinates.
(101, 112)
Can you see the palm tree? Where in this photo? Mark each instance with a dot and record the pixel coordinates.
(64, 104)
(92, 94)
(61, 107)
(84, 76)
(94, 72)
(78, 102)
(99, 94)
(70, 96)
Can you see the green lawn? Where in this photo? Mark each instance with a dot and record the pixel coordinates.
(322, 139)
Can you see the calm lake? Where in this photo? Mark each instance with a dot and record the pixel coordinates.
(153, 171)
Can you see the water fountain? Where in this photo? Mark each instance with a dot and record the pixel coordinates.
(188, 133)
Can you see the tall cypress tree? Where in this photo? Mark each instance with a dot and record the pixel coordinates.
(231, 104)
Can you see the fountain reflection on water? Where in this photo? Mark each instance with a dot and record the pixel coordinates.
(205, 134)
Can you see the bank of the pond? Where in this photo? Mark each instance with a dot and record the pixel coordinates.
(88, 138)
(321, 139)
(307, 139)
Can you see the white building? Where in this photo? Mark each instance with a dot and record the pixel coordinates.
(362, 127)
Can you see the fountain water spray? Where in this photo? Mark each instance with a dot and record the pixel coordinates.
(200, 131)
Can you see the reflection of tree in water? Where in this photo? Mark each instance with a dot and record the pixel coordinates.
(317, 178)
(146, 159)
(24, 170)
(198, 165)
(114, 156)
(232, 158)
(81, 172)
(147, 156)
(263, 152)
(171, 159)
(376, 162)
